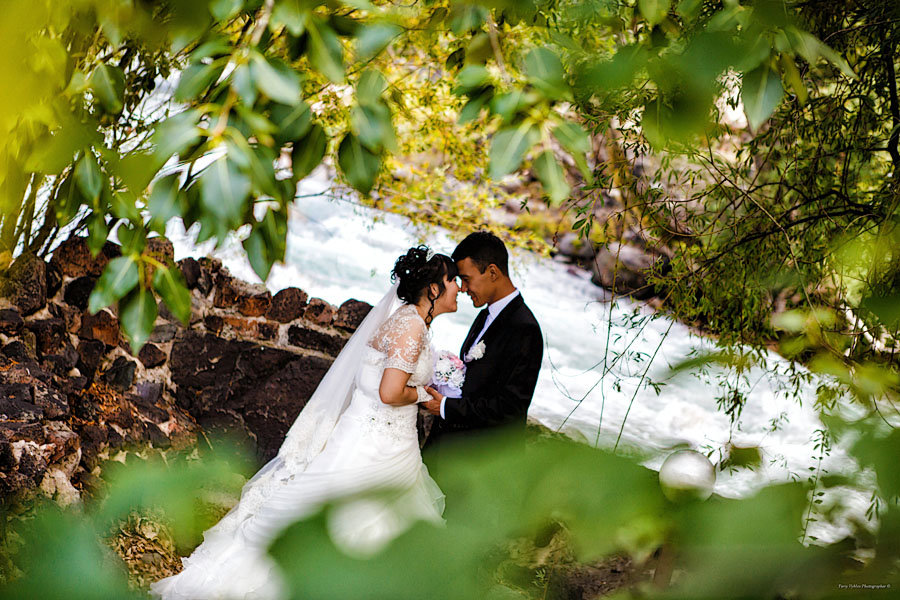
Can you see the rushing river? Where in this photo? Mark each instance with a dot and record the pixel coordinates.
(606, 376)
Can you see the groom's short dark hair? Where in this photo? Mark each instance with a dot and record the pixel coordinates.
(484, 248)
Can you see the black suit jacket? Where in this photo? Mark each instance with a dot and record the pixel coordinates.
(499, 385)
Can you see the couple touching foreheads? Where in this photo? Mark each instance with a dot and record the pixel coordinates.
(357, 434)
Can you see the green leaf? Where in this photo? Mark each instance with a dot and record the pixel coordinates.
(132, 239)
(137, 169)
(214, 48)
(163, 202)
(98, 233)
(137, 313)
(108, 86)
(308, 152)
(176, 134)
(371, 86)
(506, 105)
(123, 206)
(257, 161)
(292, 122)
(471, 78)
(88, 176)
(68, 201)
(654, 10)
(257, 254)
(243, 85)
(225, 9)
(552, 176)
(325, 51)
(292, 14)
(118, 278)
(358, 164)
(169, 283)
(196, 79)
(472, 108)
(761, 93)
(545, 72)
(576, 141)
(372, 124)
(223, 192)
(479, 49)
(275, 79)
(508, 148)
(374, 38)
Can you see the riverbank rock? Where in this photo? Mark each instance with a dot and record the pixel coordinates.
(24, 284)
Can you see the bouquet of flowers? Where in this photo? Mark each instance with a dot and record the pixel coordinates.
(449, 374)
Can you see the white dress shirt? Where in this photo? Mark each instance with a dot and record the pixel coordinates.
(494, 309)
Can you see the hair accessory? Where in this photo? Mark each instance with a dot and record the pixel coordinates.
(429, 255)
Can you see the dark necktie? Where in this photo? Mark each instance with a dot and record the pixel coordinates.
(477, 326)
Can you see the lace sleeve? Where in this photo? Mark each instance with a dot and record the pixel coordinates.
(401, 339)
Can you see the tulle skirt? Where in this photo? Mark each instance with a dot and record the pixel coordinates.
(232, 563)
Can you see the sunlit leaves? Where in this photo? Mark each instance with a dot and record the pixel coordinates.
(654, 10)
(545, 72)
(137, 313)
(119, 277)
(225, 9)
(374, 38)
(761, 93)
(196, 79)
(290, 13)
(370, 87)
(508, 148)
(325, 50)
(275, 79)
(108, 86)
(169, 284)
(359, 165)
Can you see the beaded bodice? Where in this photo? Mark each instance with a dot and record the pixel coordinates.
(402, 342)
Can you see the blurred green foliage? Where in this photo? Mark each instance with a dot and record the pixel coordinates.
(497, 490)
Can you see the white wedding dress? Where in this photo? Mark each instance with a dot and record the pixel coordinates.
(329, 456)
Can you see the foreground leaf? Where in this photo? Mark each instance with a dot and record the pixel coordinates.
(118, 278)
(761, 93)
(551, 175)
(137, 313)
(169, 283)
(508, 149)
(308, 152)
(358, 164)
(108, 86)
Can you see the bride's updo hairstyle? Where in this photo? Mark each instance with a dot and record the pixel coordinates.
(415, 273)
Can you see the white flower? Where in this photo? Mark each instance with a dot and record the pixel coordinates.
(475, 352)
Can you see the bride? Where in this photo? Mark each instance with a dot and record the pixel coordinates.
(356, 434)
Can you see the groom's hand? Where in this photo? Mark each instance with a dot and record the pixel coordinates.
(434, 405)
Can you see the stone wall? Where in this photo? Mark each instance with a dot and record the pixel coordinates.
(72, 394)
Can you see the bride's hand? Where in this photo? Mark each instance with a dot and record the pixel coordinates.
(434, 405)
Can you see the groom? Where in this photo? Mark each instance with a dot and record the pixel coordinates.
(502, 352)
